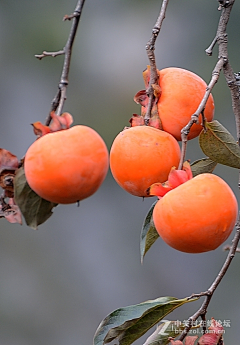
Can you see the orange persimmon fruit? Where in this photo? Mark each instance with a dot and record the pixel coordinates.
(141, 156)
(181, 94)
(68, 165)
(196, 216)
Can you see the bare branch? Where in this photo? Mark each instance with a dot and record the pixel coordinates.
(228, 247)
(59, 99)
(209, 50)
(200, 110)
(150, 47)
(201, 312)
(223, 63)
(227, 69)
(53, 54)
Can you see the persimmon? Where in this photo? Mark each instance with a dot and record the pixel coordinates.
(180, 94)
(68, 165)
(141, 156)
(196, 216)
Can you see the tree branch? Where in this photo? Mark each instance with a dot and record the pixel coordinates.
(200, 110)
(150, 47)
(222, 64)
(59, 99)
(201, 312)
(221, 39)
(53, 54)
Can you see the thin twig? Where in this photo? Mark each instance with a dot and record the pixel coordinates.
(209, 293)
(209, 50)
(150, 47)
(194, 118)
(228, 247)
(232, 83)
(59, 99)
(227, 69)
(53, 54)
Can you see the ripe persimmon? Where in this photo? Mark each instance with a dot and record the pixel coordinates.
(198, 215)
(181, 94)
(68, 165)
(141, 156)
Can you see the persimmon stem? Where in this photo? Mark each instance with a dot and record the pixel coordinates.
(150, 47)
(59, 99)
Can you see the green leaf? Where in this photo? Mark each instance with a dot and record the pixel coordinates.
(130, 323)
(204, 165)
(149, 233)
(34, 209)
(219, 145)
(163, 332)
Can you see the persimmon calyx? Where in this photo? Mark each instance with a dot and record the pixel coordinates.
(8, 166)
(10, 211)
(189, 340)
(175, 178)
(58, 123)
(142, 98)
(211, 337)
(136, 120)
(63, 121)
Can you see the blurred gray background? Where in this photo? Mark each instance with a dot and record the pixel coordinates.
(58, 283)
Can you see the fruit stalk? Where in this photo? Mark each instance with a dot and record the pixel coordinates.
(150, 47)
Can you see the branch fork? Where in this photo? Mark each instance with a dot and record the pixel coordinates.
(61, 96)
(232, 80)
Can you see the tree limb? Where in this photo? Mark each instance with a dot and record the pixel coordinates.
(60, 97)
(150, 47)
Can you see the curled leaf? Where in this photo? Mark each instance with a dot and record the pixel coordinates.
(219, 145)
(35, 210)
(204, 165)
(149, 233)
(129, 323)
